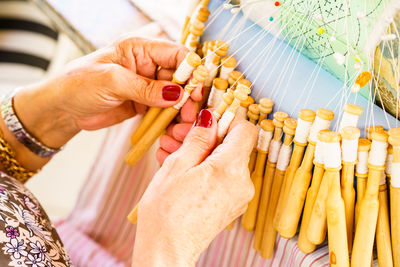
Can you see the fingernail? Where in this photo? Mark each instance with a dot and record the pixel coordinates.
(171, 92)
(204, 119)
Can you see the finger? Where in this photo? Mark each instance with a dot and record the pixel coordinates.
(180, 131)
(237, 145)
(169, 144)
(131, 86)
(197, 145)
(197, 93)
(140, 108)
(165, 74)
(189, 111)
(161, 155)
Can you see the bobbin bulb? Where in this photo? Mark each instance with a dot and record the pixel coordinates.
(235, 10)
(363, 78)
(355, 88)
(227, 6)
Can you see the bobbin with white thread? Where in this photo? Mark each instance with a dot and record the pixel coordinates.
(228, 65)
(273, 153)
(319, 169)
(368, 214)
(234, 77)
(289, 221)
(306, 118)
(370, 129)
(253, 113)
(181, 75)
(214, 49)
(350, 136)
(213, 70)
(269, 233)
(217, 91)
(364, 145)
(351, 115)
(158, 127)
(335, 208)
(382, 236)
(265, 105)
(200, 14)
(227, 99)
(195, 31)
(243, 108)
(265, 136)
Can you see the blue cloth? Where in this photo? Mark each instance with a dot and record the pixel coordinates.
(271, 68)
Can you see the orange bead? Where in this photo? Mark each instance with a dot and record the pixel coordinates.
(363, 78)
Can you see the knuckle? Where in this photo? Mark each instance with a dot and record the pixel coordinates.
(150, 92)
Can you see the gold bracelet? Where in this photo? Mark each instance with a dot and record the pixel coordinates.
(11, 166)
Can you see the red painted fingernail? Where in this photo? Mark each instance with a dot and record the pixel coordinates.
(204, 119)
(171, 92)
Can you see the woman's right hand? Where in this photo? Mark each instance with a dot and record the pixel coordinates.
(197, 192)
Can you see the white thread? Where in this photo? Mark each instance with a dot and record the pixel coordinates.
(318, 125)
(395, 177)
(319, 152)
(382, 181)
(241, 113)
(215, 97)
(348, 120)
(213, 70)
(224, 122)
(274, 150)
(210, 57)
(284, 157)
(225, 71)
(216, 115)
(302, 131)
(185, 97)
(349, 150)
(362, 164)
(388, 164)
(332, 155)
(264, 139)
(184, 71)
(192, 39)
(377, 155)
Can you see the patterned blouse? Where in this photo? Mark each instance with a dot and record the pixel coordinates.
(27, 237)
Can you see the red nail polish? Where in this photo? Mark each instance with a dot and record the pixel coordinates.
(171, 92)
(204, 119)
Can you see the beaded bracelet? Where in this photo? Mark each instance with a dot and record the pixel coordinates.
(11, 166)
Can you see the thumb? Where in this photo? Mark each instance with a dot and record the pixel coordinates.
(149, 92)
(198, 144)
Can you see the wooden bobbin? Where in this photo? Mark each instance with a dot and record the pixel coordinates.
(227, 99)
(228, 65)
(264, 138)
(217, 91)
(350, 136)
(200, 14)
(306, 118)
(370, 129)
(351, 115)
(335, 209)
(279, 119)
(382, 236)
(319, 169)
(366, 225)
(289, 221)
(183, 73)
(364, 146)
(266, 105)
(244, 82)
(195, 31)
(242, 110)
(253, 114)
(234, 77)
(394, 140)
(269, 232)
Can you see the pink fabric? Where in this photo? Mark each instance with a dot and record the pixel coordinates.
(97, 232)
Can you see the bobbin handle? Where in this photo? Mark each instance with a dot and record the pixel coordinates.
(395, 223)
(383, 240)
(349, 196)
(146, 122)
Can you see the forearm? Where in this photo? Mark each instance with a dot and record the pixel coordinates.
(37, 109)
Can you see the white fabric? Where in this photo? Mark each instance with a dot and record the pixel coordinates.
(349, 150)
(264, 139)
(225, 71)
(348, 120)
(377, 155)
(388, 164)
(184, 71)
(319, 152)
(302, 131)
(284, 157)
(332, 155)
(274, 150)
(395, 177)
(318, 125)
(185, 97)
(362, 164)
(224, 122)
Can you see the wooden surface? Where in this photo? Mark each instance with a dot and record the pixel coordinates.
(92, 24)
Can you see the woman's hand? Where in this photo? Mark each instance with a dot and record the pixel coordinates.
(197, 192)
(99, 90)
